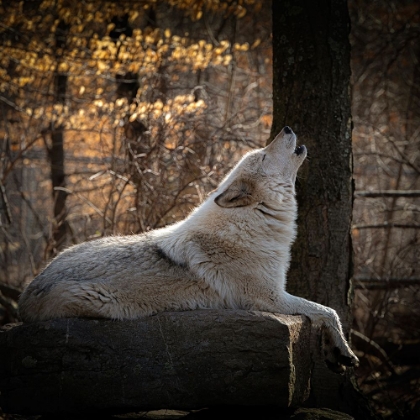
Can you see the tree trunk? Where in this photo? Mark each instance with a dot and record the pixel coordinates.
(311, 63)
(58, 179)
(56, 153)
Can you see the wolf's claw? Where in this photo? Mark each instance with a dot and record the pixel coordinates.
(339, 356)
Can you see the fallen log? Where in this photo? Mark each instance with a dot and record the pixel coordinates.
(174, 360)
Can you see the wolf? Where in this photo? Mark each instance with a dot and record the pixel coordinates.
(231, 252)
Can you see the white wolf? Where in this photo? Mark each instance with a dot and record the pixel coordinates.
(233, 252)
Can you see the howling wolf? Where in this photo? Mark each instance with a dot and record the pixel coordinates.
(233, 251)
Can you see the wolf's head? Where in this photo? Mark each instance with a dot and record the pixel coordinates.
(264, 176)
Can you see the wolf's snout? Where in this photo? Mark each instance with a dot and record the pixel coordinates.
(287, 130)
(300, 149)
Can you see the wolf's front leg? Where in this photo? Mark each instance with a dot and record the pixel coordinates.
(337, 352)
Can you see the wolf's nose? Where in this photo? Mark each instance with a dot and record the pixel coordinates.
(287, 130)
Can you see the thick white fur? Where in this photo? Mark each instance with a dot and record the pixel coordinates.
(233, 251)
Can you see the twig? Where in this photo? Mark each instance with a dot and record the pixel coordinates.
(387, 193)
(10, 292)
(392, 283)
(387, 225)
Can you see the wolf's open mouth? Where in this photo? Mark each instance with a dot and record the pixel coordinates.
(299, 150)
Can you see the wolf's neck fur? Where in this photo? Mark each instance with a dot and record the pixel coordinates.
(210, 227)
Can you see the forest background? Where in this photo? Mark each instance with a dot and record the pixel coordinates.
(119, 117)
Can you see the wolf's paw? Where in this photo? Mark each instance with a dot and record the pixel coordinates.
(338, 356)
(338, 362)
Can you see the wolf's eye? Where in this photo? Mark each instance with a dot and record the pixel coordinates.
(263, 158)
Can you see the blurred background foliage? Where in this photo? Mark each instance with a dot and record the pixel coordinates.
(385, 40)
(120, 116)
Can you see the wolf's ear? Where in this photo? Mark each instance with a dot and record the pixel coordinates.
(238, 194)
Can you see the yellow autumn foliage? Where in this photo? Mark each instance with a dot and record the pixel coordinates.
(81, 42)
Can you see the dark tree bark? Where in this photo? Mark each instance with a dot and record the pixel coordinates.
(311, 55)
(311, 94)
(55, 152)
(58, 179)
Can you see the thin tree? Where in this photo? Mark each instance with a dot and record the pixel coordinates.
(55, 152)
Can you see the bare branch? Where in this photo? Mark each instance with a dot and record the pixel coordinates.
(387, 193)
(383, 284)
(10, 292)
(387, 225)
